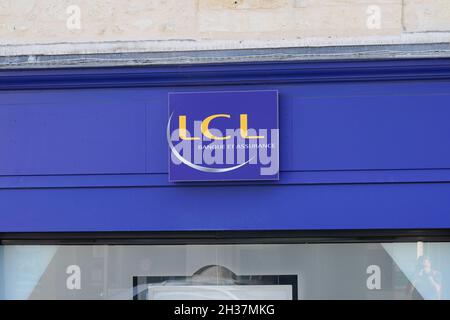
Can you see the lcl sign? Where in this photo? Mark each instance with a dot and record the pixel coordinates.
(211, 138)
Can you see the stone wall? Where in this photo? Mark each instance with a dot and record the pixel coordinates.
(88, 26)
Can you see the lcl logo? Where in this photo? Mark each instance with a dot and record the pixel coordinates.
(204, 127)
(219, 136)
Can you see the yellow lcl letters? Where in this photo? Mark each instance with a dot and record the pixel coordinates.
(205, 128)
(182, 125)
(244, 128)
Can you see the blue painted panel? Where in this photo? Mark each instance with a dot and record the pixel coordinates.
(361, 148)
(370, 132)
(286, 178)
(349, 126)
(227, 208)
(80, 134)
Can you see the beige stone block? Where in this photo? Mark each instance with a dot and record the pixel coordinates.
(426, 15)
(244, 4)
(221, 23)
(297, 19)
(44, 21)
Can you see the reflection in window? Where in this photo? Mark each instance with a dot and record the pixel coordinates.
(260, 271)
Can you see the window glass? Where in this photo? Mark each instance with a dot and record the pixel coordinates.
(260, 271)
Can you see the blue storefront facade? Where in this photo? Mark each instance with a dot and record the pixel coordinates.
(364, 178)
